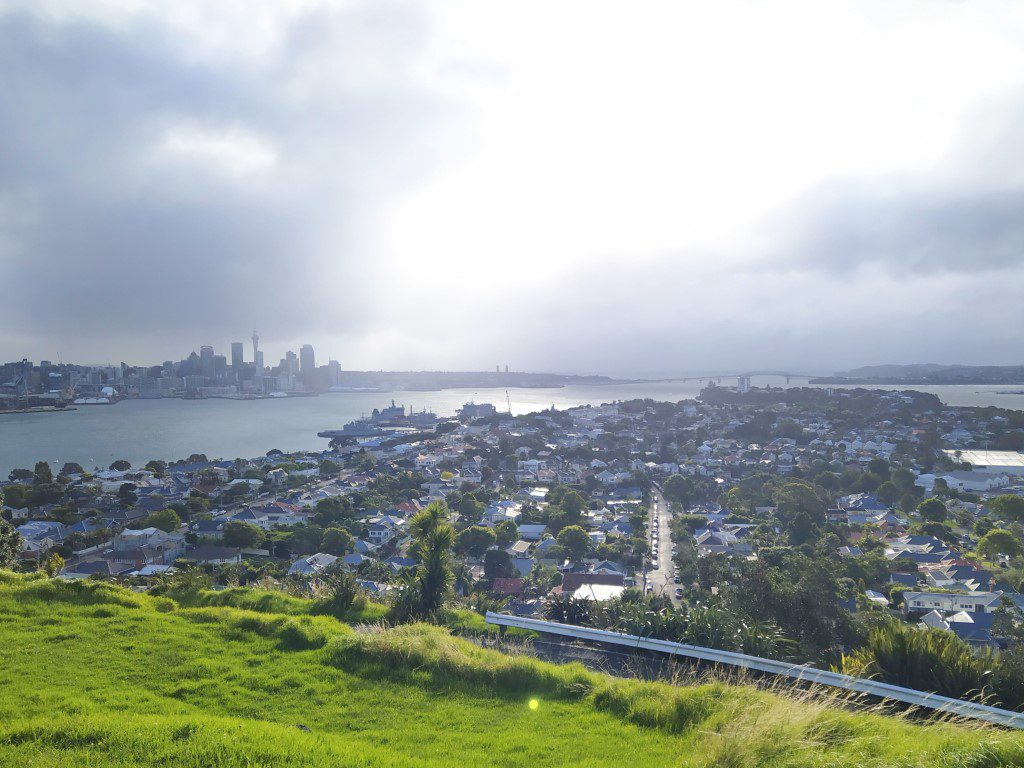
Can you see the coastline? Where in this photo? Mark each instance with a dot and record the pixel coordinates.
(39, 409)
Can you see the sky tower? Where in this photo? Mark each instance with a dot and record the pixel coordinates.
(257, 363)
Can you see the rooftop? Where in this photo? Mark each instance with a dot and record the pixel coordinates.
(982, 458)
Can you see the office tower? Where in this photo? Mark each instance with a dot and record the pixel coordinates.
(307, 362)
(206, 361)
(220, 367)
(333, 373)
(237, 357)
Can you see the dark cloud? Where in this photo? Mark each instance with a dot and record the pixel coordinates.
(963, 216)
(114, 244)
(161, 188)
(913, 230)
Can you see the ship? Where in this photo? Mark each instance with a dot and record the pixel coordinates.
(358, 428)
(383, 421)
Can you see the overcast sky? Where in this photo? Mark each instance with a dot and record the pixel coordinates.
(594, 187)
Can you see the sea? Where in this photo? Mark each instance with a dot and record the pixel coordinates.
(140, 430)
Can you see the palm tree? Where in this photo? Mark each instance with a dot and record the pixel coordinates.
(434, 538)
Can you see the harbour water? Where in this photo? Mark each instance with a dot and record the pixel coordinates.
(139, 430)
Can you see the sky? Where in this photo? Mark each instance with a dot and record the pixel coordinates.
(557, 186)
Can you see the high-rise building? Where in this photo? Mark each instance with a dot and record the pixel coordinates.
(333, 373)
(206, 361)
(307, 362)
(237, 357)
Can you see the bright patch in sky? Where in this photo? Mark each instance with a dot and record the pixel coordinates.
(578, 186)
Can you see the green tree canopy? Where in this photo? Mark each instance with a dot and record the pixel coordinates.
(1007, 507)
(999, 541)
(575, 541)
(681, 489)
(166, 520)
(43, 473)
(507, 532)
(126, 494)
(933, 509)
(243, 535)
(475, 540)
(337, 541)
(157, 467)
(10, 542)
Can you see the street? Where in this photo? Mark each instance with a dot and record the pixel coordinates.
(660, 579)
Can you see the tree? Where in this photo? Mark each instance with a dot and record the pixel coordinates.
(887, 493)
(329, 468)
(573, 504)
(45, 493)
(71, 468)
(507, 532)
(333, 510)
(20, 475)
(999, 541)
(794, 497)
(43, 474)
(680, 489)
(575, 541)
(1007, 507)
(157, 467)
(434, 537)
(10, 542)
(243, 535)
(337, 541)
(469, 508)
(53, 564)
(166, 520)
(498, 564)
(126, 494)
(903, 479)
(121, 465)
(879, 466)
(933, 509)
(475, 540)
(737, 502)
(17, 495)
(802, 528)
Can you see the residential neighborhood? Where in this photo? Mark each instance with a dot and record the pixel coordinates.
(848, 504)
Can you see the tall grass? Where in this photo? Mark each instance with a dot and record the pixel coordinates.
(925, 660)
(97, 675)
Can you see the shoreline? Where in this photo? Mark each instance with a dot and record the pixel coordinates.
(38, 409)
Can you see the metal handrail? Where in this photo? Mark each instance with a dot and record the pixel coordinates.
(802, 672)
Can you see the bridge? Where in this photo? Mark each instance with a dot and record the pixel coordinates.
(717, 377)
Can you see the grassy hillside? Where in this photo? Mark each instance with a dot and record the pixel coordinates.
(91, 674)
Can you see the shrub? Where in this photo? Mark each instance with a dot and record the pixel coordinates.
(925, 660)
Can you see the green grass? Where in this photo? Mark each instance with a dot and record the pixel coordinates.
(91, 674)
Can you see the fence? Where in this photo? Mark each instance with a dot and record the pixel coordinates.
(801, 672)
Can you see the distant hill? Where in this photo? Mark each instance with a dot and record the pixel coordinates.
(94, 674)
(928, 373)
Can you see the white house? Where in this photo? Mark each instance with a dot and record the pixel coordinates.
(313, 564)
